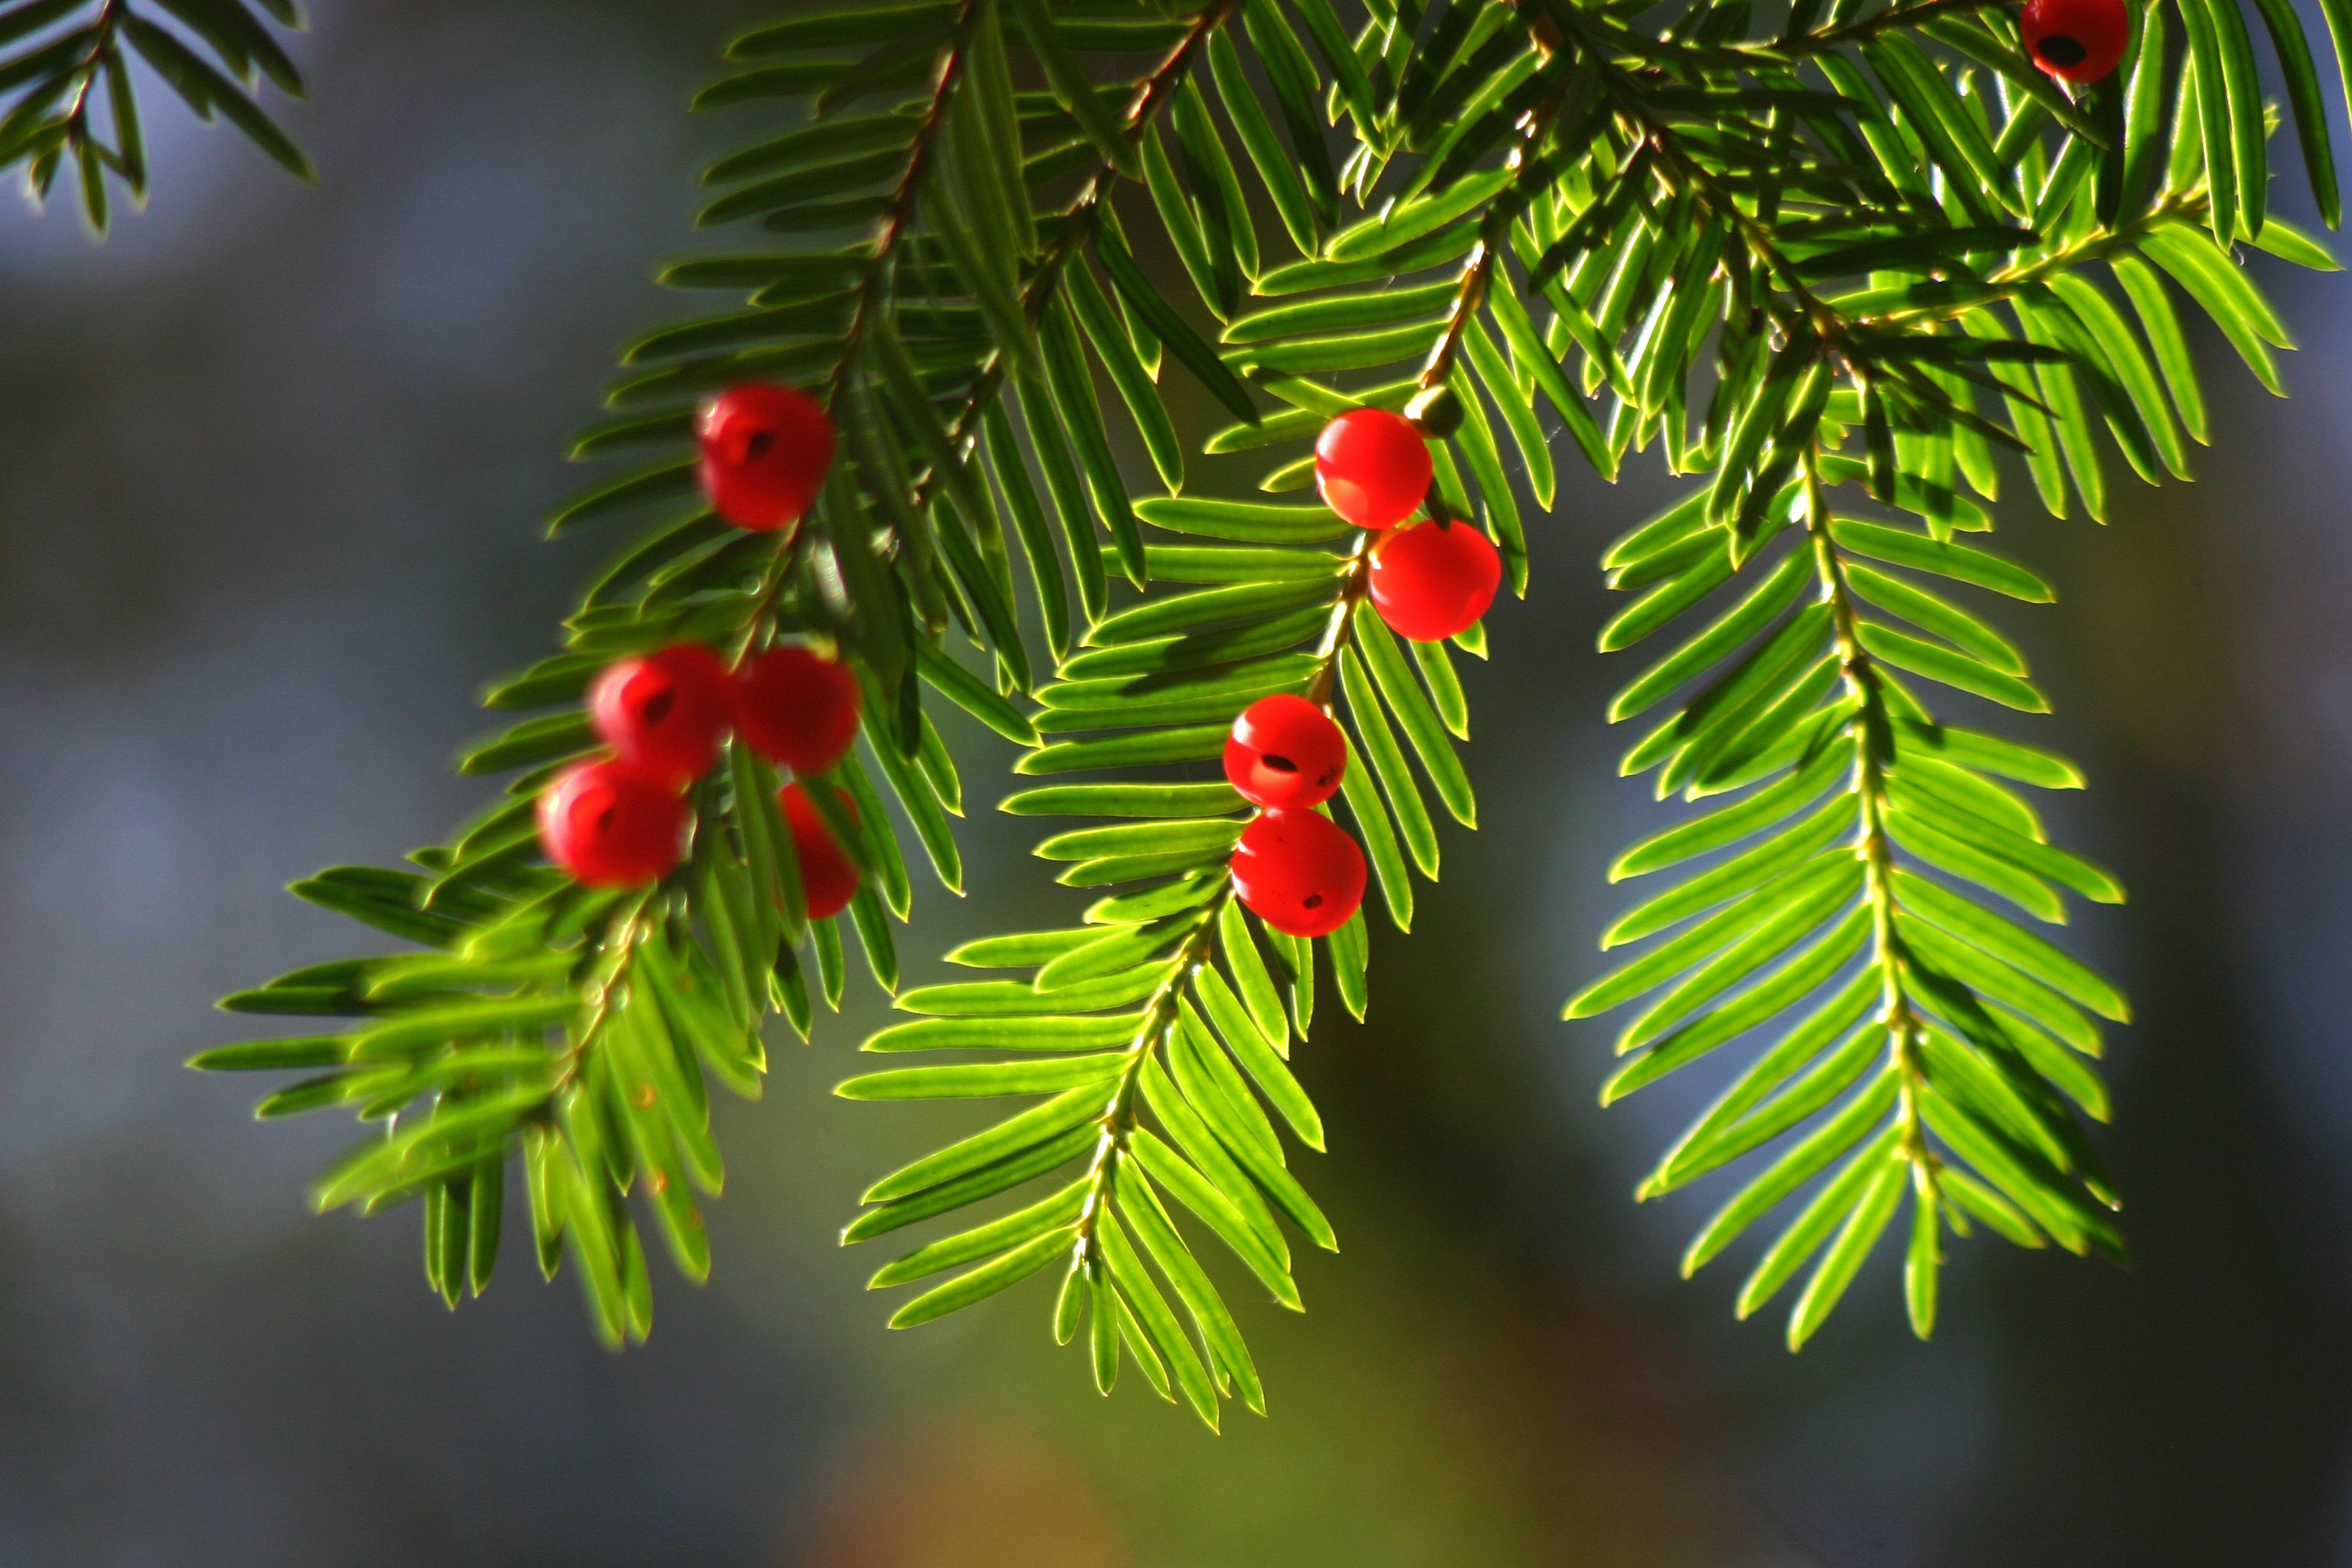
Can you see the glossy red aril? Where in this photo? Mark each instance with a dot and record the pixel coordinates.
(2075, 40)
(1284, 752)
(1299, 872)
(796, 709)
(829, 878)
(765, 450)
(610, 825)
(1373, 466)
(664, 712)
(1432, 580)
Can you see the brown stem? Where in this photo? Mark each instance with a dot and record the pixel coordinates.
(101, 34)
(1356, 583)
(1478, 270)
(1077, 223)
(898, 218)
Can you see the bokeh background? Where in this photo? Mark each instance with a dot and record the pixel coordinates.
(270, 464)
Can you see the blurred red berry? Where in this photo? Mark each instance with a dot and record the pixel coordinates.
(2075, 40)
(1286, 751)
(797, 708)
(1430, 582)
(765, 450)
(1373, 466)
(610, 825)
(1299, 872)
(664, 712)
(829, 878)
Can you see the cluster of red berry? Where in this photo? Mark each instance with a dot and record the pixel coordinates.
(1431, 579)
(765, 452)
(1294, 867)
(617, 822)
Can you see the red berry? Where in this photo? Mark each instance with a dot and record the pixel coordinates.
(797, 708)
(1299, 872)
(1373, 466)
(664, 712)
(765, 450)
(1286, 751)
(2075, 40)
(1431, 581)
(610, 825)
(827, 877)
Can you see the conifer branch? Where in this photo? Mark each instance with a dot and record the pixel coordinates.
(62, 57)
(1871, 251)
(1120, 1117)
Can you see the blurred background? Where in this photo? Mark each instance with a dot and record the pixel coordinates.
(271, 461)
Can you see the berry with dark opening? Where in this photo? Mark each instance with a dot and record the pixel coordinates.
(797, 708)
(664, 712)
(611, 824)
(1373, 466)
(829, 878)
(1286, 751)
(1299, 872)
(765, 450)
(2075, 40)
(1431, 581)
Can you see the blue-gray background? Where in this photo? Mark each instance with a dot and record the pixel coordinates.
(270, 461)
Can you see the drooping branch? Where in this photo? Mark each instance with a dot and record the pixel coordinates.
(1119, 1117)
(1871, 732)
